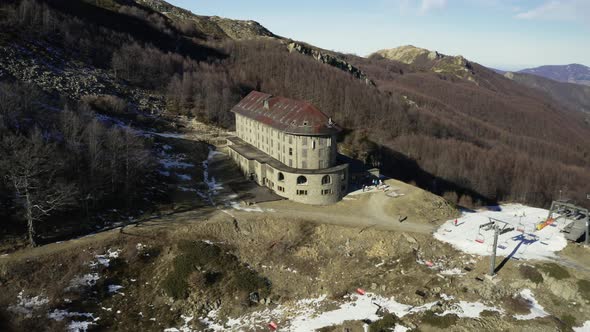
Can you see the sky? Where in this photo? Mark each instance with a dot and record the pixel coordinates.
(503, 34)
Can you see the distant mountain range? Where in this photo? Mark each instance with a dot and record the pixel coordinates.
(573, 96)
(573, 73)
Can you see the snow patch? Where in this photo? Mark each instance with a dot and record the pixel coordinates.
(306, 315)
(212, 185)
(105, 259)
(115, 289)
(583, 328)
(451, 272)
(183, 328)
(184, 177)
(167, 135)
(75, 325)
(26, 305)
(237, 206)
(536, 309)
(469, 309)
(183, 188)
(87, 280)
(530, 244)
(171, 163)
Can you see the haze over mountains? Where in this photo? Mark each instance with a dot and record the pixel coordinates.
(572, 73)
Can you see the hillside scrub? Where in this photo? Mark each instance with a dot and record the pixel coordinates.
(531, 273)
(204, 265)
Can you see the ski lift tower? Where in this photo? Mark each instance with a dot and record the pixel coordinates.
(499, 227)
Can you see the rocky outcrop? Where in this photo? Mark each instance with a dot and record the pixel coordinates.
(212, 26)
(46, 67)
(331, 60)
(432, 60)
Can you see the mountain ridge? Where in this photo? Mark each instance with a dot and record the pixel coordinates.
(572, 73)
(418, 124)
(572, 95)
(431, 60)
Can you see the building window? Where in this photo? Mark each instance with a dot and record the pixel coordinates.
(304, 141)
(290, 151)
(301, 180)
(281, 177)
(290, 163)
(313, 144)
(290, 139)
(326, 179)
(326, 191)
(281, 189)
(302, 192)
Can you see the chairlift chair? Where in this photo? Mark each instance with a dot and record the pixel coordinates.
(520, 226)
(480, 238)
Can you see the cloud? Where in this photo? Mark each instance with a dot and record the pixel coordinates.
(428, 5)
(558, 10)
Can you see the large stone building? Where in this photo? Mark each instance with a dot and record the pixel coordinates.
(288, 146)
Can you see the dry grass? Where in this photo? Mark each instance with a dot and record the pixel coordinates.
(531, 273)
(516, 304)
(555, 271)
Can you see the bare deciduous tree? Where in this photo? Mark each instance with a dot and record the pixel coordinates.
(32, 172)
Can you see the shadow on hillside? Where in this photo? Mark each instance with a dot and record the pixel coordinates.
(135, 27)
(398, 166)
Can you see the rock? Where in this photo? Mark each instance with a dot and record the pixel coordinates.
(254, 297)
(373, 286)
(410, 239)
(330, 60)
(383, 288)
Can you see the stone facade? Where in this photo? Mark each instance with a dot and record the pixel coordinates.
(295, 164)
(305, 152)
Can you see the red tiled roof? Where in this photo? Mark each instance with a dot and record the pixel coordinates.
(291, 116)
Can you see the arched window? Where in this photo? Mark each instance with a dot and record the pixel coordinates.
(326, 179)
(281, 177)
(301, 179)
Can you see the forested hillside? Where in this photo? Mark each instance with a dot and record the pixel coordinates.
(474, 141)
(574, 96)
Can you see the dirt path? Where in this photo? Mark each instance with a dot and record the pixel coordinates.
(346, 218)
